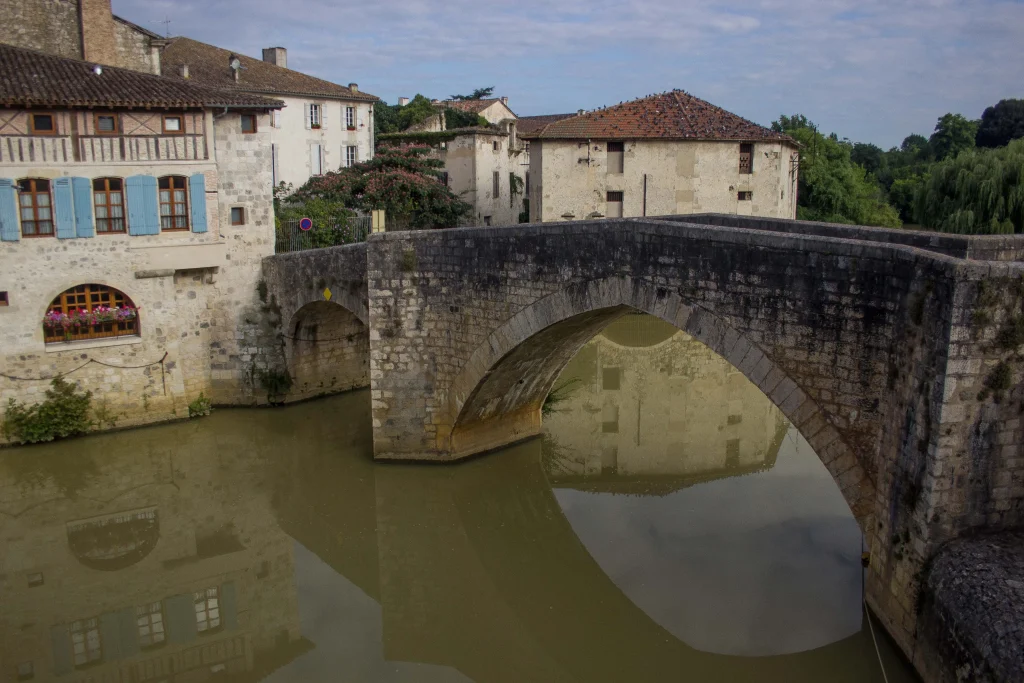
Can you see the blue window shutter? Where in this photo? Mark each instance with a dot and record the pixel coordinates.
(180, 619)
(60, 636)
(64, 208)
(81, 188)
(197, 195)
(143, 210)
(229, 605)
(110, 635)
(10, 231)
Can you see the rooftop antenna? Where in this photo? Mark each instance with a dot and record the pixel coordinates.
(166, 21)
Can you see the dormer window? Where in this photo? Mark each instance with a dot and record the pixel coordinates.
(43, 124)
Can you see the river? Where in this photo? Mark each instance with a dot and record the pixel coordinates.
(670, 525)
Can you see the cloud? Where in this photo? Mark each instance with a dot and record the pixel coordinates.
(871, 70)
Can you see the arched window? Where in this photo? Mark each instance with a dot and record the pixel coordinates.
(173, 202)
(90, 312)
(108, 200)
(36, 207)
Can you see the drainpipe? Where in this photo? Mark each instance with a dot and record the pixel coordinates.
(645, 194)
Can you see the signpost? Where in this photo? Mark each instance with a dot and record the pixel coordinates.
(305, 224)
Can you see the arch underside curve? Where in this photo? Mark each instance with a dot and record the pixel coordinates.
(496, 398)
(326, 350)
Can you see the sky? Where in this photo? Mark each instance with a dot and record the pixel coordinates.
(868, 70)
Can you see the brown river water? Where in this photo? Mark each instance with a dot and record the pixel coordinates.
(669, 526)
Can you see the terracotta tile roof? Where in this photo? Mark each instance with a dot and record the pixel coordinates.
(674, 115)
(28, 77)
(208, 65)
(472, 106)
(530, 125)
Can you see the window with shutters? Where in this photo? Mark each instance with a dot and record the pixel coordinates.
(616, 157)
(350, 118)
(207, 606)
(173, 192)
(150, 621)
(350, 155)
(275, 118)
(43, 124)
(106, 124)
(36, 205)
(248, 124)
(86, 643)
(746, 158)
(173, 124)
(108, 205)
(316, 160)
(315, 114)
(90, 312)
(496, 184)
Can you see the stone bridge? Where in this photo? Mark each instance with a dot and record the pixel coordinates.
(895, 353)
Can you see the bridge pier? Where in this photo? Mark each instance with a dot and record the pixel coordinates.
(888, 350)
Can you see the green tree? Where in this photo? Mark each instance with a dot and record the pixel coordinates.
(478, 94)
(867, 155)
(394, 118)
(456, 118)
(831, 186)
(403, 180)
(981, 191)
(1001, 123)
(953, 134)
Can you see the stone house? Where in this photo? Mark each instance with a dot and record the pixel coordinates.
(322, 127)
(480, 162)
(81, 29)
(135, 211)
(665, 154)
(527, 127)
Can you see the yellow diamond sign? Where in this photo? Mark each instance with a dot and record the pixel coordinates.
(327, 293)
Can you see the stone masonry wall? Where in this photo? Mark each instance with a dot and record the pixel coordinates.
(50, 26)
(866, 347)
(328, 351)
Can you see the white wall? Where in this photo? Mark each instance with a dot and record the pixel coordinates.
(292, 141)
(471, 162)
(571, 177)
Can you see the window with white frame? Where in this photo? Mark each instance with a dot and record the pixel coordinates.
(314, 116)
(150, 621)
(86, 644)
(350, 117)
(207, 606)
(350, 155)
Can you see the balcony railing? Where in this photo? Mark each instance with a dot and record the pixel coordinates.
(102, 148)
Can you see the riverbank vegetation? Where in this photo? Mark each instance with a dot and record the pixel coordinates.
(967, 177)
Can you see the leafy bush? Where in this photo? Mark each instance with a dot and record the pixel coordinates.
(200, 407)
(64, 413)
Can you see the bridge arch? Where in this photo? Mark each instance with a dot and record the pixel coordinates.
(497, 396)
(327, 350)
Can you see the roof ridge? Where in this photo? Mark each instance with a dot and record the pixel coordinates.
(682, 108)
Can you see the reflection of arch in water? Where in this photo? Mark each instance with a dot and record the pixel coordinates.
(639, 330)
(499, 392)
(115, 541)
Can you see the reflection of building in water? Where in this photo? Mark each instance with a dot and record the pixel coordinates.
(645, 400)
(162, 564)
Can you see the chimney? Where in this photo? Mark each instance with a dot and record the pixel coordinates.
(276, 55)
(581, 112)
(354, 87)
(96, 22)
(183, 71)
(402, 101)
(504, 100)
